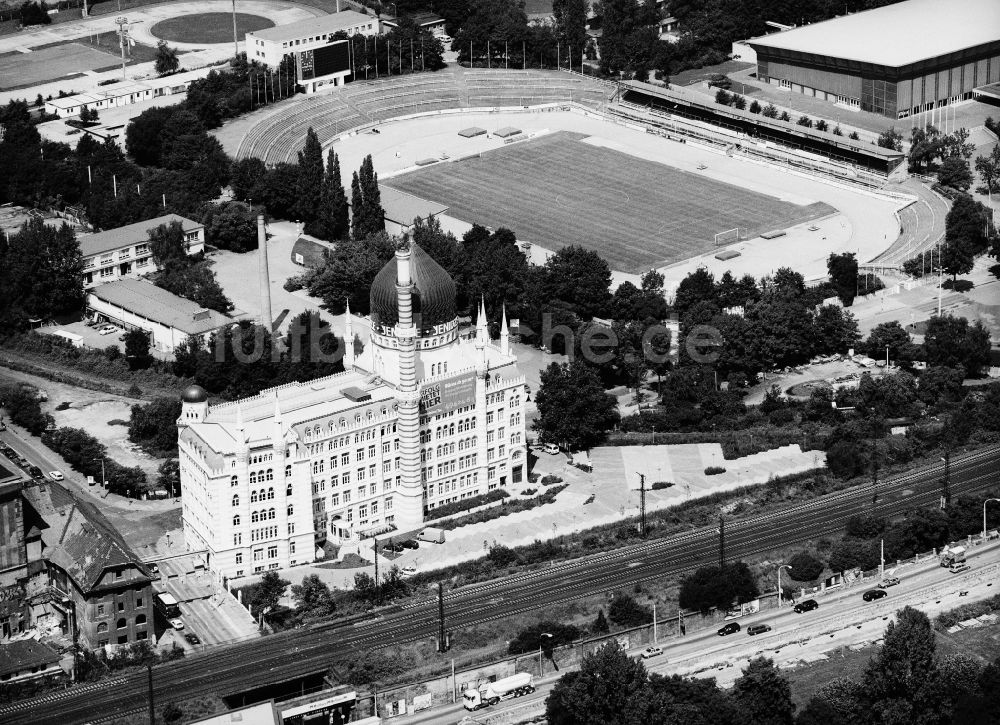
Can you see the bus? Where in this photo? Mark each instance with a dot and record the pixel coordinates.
(167, 605)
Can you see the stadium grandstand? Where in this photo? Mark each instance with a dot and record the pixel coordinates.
(896, 61)
(363, 104)
(691, 114)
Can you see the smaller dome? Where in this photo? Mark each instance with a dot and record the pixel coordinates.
(194, 394)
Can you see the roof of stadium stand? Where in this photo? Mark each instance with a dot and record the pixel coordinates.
(313, 26)
(895, 35)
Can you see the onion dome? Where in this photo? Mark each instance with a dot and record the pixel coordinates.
(194, 394)
(433, 292)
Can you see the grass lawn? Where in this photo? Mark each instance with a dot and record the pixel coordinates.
(208, 27)
(556, 191)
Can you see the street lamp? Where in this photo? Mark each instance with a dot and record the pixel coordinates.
(783, 566)
(104, 478)
(543, 634)
(984, 514)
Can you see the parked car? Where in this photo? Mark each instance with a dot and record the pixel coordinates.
(177, 623)
(551, 448)
(408, 570)
(958, 568)
(108, 330)
(807, 606)
(758, 629)
(873, 594)
(192, 638)
(35, 471)
(890, 581)
(393, 548)
(410, 544)
(56, 476)
(651, 651)
(729, 628)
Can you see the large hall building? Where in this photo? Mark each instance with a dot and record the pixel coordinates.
(422, 416)
(896, 61)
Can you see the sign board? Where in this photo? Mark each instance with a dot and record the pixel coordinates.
(325, 60)
(445, 396)
(422, 702)
(319, 704)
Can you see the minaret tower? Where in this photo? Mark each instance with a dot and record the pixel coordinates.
(504, 334)
(409, 498)
(348, 338)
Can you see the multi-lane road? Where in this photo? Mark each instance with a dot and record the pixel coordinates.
(238, 667)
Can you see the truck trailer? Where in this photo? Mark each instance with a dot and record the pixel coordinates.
(953, 555)
(491, 693)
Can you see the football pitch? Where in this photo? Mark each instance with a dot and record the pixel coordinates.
(20, 70)
(557, 190)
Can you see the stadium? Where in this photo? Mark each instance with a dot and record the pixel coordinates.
(646, 177)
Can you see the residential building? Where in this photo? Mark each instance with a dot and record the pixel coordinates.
(421, 417)
(872, 60)
(124, 252)
(170, 320)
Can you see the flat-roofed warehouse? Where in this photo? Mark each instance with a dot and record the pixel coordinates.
(896, 61)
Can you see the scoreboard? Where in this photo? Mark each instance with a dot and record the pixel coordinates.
(325, 60)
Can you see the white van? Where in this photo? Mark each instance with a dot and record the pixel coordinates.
(551, 448)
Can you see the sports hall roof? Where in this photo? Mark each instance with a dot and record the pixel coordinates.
(895, 35)
(313, 26)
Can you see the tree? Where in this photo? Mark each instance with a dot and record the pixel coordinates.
(951, 341)
(600, 692)
(144, 135)
(954, 172)
(600, 625)
(843, 271)
(784, 116)
(890, 335)
(836, 330)
(822, 125)
(267, 593)
(166, 59)
(154, 426)
(709, 588)
(769, 111)
(988, 168)
(581, 278)
(573, 409)
(805, 567)
(166, 244)
(367, 214)
(571, 24)
(965, 235)
(844, 460)
(851, 553)
(196, 282)
(763, 695)
(941, 384)
(890, 138)
(901, 680)
(231, 225)
(137, 349)
(348, 272)
(722, 97)
(41, 269)
(545, 636)
(169, 478)
(313, 598)
(755, 106)
(310, 181)
(805, 121)
(697, 286)
(244, 177)
(333, 222)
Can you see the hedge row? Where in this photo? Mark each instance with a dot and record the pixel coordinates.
(465, 504)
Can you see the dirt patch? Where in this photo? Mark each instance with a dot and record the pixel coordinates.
(103, 419)
(804, 390)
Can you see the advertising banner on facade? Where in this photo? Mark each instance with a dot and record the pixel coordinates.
(446, 395)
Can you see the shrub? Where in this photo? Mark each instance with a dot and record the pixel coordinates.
(658, 485)
(805, 567)
(723, 98)
(502, 556)
(600, 625)
(509, 506)
(466, 504)
(714, 470)
(967, 611)
(709, 588)
(529, 491)
(626, 612)
(531, 639)
(296, 282)
(549, 480)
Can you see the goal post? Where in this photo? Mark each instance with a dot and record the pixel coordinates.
(729, 236)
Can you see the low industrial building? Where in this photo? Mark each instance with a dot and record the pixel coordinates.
(25, 660)
(309, 251)
(124, 93)
(896, 61)
(170, 320)
(425, 21)
(124, 251)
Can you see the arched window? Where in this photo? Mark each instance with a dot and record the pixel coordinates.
(121, 624)
(140, 619)
(369, 415)
(270, 474)
(254, 517)
(270, 492)
(253, 477)
(291, 509)
(288, 471)
(236, 520)
(102, 627)
(234, 481)
(288, 490)
(270, 513)
(236, 499)
(253, 496)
